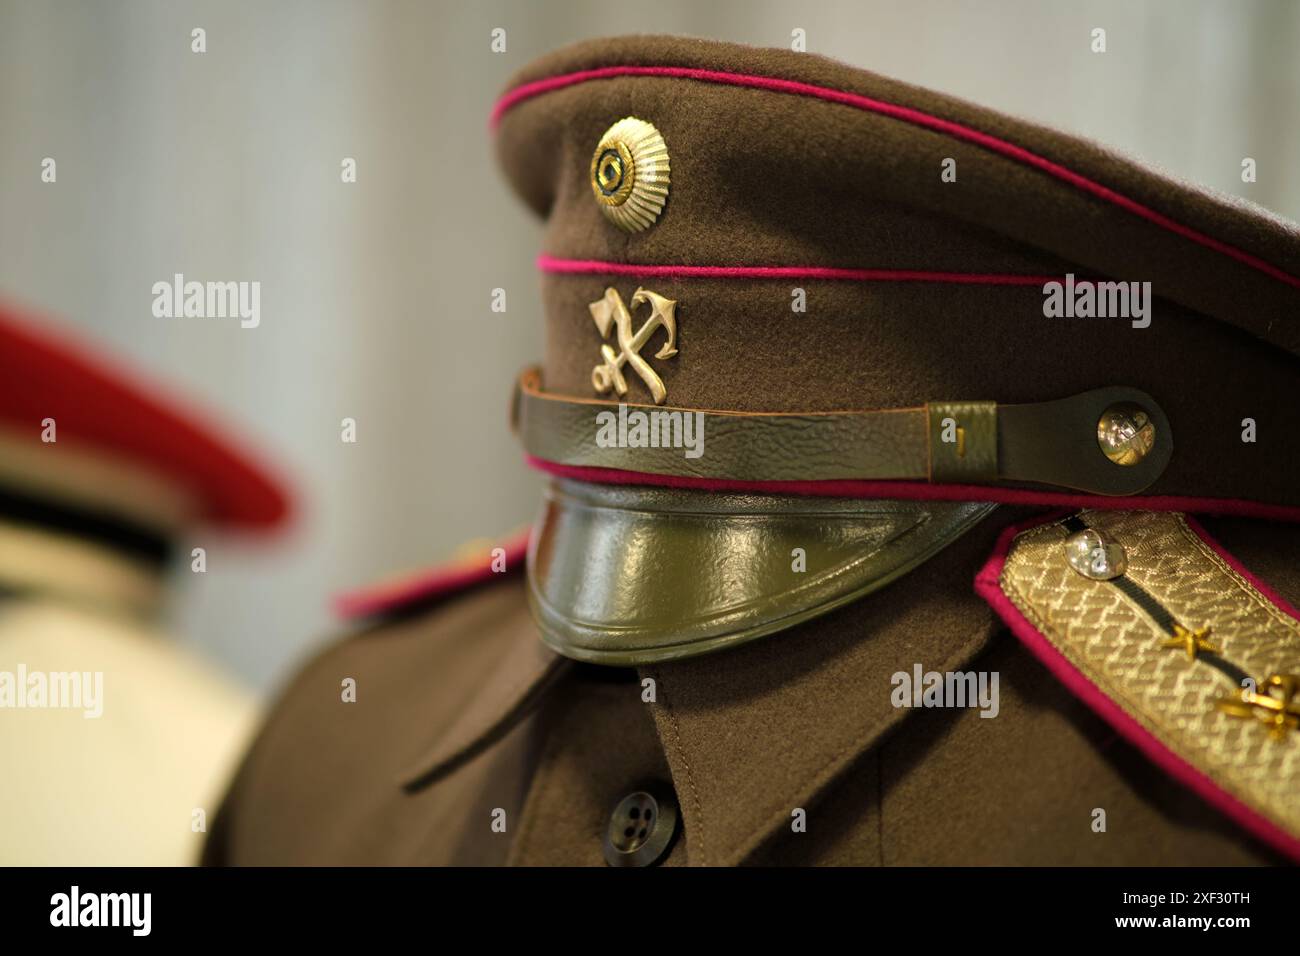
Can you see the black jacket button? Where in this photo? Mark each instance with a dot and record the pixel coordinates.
(642, 827)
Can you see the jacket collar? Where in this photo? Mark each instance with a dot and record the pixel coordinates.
(752, 734)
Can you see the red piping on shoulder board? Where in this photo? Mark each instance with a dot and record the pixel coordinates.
(440, 581)
(906, 114)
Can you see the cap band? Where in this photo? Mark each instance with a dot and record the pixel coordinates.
(1047, 443)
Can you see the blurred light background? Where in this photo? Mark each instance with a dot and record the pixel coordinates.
(376, 296)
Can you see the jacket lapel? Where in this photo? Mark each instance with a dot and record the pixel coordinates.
(510, 688)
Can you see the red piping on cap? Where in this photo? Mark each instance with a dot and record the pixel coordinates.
(922, 491)
(555, 265)
(906, 114)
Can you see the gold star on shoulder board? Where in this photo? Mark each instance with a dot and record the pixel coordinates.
(1191, 641)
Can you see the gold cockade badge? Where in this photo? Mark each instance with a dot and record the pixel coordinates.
(629, 174)
(610, 313)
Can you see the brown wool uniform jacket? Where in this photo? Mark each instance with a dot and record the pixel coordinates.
(461, 711)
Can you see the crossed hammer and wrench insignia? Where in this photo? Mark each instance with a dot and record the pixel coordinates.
(610, 312)
(1275, 704)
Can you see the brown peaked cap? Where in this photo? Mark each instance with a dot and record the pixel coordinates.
(795, 162)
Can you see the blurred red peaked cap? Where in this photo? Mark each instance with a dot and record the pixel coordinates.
(94, 403)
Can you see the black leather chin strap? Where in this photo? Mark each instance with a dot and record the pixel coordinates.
(1054, 444)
